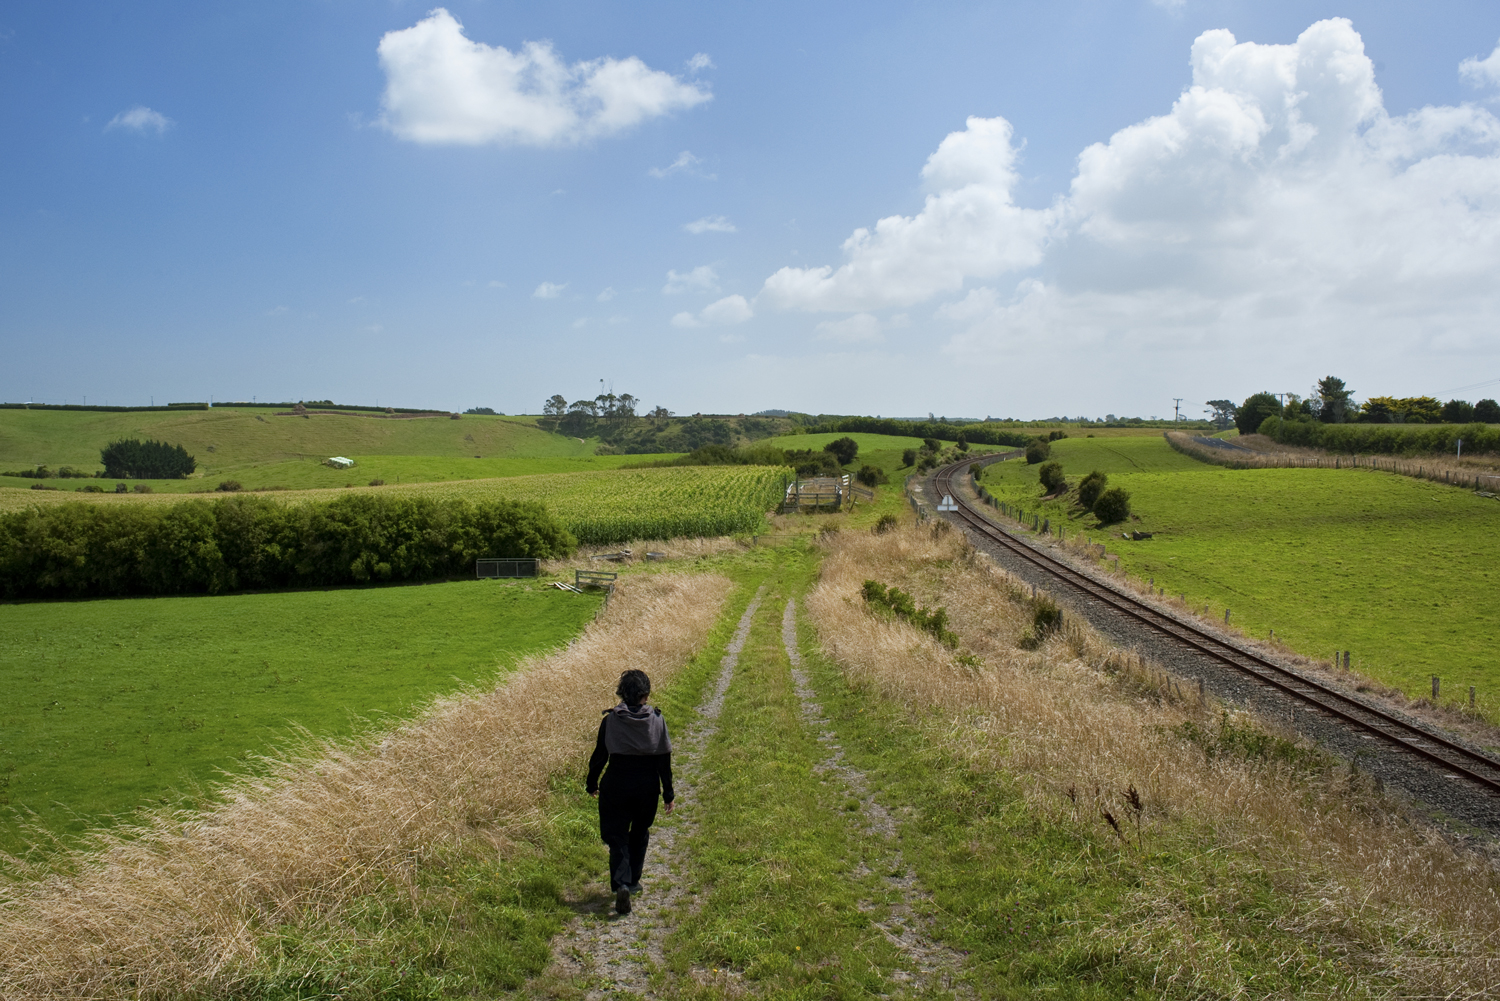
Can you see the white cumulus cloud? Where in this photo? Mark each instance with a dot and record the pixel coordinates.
(699, 63)
(443, 88)
(549, 290)
(1481, 72)
(141, 119)
(1277, 203)
(730, 310)
(710, 224)
(701, 279)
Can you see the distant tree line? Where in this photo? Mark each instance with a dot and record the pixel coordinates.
(1332, 402)
(81, 550)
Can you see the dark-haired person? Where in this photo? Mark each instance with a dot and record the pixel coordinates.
(633, 742)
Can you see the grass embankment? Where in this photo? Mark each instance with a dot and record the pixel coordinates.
(1243, 863)
(598, 507)
(1393, 568)
(112, 705)
(260, 449)
(342, 871)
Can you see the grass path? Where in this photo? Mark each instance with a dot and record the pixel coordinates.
(607, 952)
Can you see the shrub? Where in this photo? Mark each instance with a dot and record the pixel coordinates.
(91, 488)
(377, 483)
(963, 442)
(146, 460)
(929, 461)
(198, 546)
(1038, 451)
(1046, 619)
(885, 523)
(909, 457)
(810, 463)
(871, 476)
(1113, 505)
(1052, 477)
(900, 603)
(1057, 435)
(121, 488)
(845, 448)
(1090, 487)
(140, 488)
(229, 487)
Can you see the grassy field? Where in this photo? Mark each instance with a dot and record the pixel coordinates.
(261, 449)
(113, 704)
(604, 506)
(1393, 568)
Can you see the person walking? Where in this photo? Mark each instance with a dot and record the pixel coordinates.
(634, 744)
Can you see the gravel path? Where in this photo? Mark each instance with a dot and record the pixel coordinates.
(933, 965)
(617, 953)
(1457, 806)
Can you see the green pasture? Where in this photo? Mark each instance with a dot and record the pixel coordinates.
(239, 443)
(112, 705)
(312, 474)
(1396, 569)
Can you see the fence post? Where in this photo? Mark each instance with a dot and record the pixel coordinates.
(1226, 616)
(1471, 696)
(1435, 684)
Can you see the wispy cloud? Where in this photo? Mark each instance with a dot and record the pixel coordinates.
(549, 290)
(710, 224)
(728, 311)
(699, 63)
(140, 119)
(701, 279)
(686, 163)
(606, 295)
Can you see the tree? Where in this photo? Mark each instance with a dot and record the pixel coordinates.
(625, 406)
(932, 445)
(1487, 412)
(845, 449)
(555, 407)
(908, 457)
(1113, 505)
(1249, 415)
(589, 408)
(1090, 487)
(146, 460)
(660, 412)
(1458, 412)
(1051, 475)
(1223, 413)
(871, 476)
(1038, 451)
(1334, 398)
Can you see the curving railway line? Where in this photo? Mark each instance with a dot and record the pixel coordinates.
(1449, 758)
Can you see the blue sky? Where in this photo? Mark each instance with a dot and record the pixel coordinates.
(354, 201)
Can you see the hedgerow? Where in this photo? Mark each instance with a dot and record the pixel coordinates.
(79, 550)
(1384, 439)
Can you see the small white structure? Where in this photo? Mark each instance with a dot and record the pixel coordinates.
(339, 462)
(947, 504)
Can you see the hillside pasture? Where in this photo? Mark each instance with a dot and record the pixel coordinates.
(599, 507)
(226, 441)
(112, 705)
(1393, 568)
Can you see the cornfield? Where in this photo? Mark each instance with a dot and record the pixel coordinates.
(600, 507)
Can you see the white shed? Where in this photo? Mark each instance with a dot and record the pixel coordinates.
(339, 462)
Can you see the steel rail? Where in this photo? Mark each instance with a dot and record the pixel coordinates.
(1391, 728)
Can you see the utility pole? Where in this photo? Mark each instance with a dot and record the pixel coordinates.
(1176, 408)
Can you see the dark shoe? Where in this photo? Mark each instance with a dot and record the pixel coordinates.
(622, 901)
(634, 888)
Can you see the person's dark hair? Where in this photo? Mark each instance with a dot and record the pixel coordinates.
(634, 687)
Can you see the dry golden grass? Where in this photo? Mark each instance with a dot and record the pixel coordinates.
(673, 551)
(1261, 452)
(1078, 716)
(174, 905)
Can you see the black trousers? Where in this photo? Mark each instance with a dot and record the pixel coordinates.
(625, 818)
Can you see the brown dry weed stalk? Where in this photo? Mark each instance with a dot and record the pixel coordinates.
(175, 905)
(1082, 725)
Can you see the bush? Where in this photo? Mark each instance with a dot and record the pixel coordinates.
(885, 523)
(963, 443)
(845, 448)
(1090, 487)
(1113, 505)
(146, 460)
(91, 488)
(79, 550)
(909, 457)
(934, 621)
(932, 445)
(871, 476)
(1052, 477)
(1046, 619)
(229, 487)
(1057, 435)
(121, 488)
(1487, 412)
(1249, 416)
(1038, 451)
(377, 483)
(140, 488)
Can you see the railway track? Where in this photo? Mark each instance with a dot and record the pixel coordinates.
(1455, 760)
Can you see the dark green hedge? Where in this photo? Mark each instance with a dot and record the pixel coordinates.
(1384, 439)
(974, 434)
(82, 550)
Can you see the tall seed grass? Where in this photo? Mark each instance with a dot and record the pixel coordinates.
(1079, 723)
(1438, 468)
(175, 905)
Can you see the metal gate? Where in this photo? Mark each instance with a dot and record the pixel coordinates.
(505, 568)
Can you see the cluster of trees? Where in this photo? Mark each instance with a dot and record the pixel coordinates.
(82, 550)
(129, 458)
(827, 461)
(1332, 402)
(1108, 504)
(581, 417)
